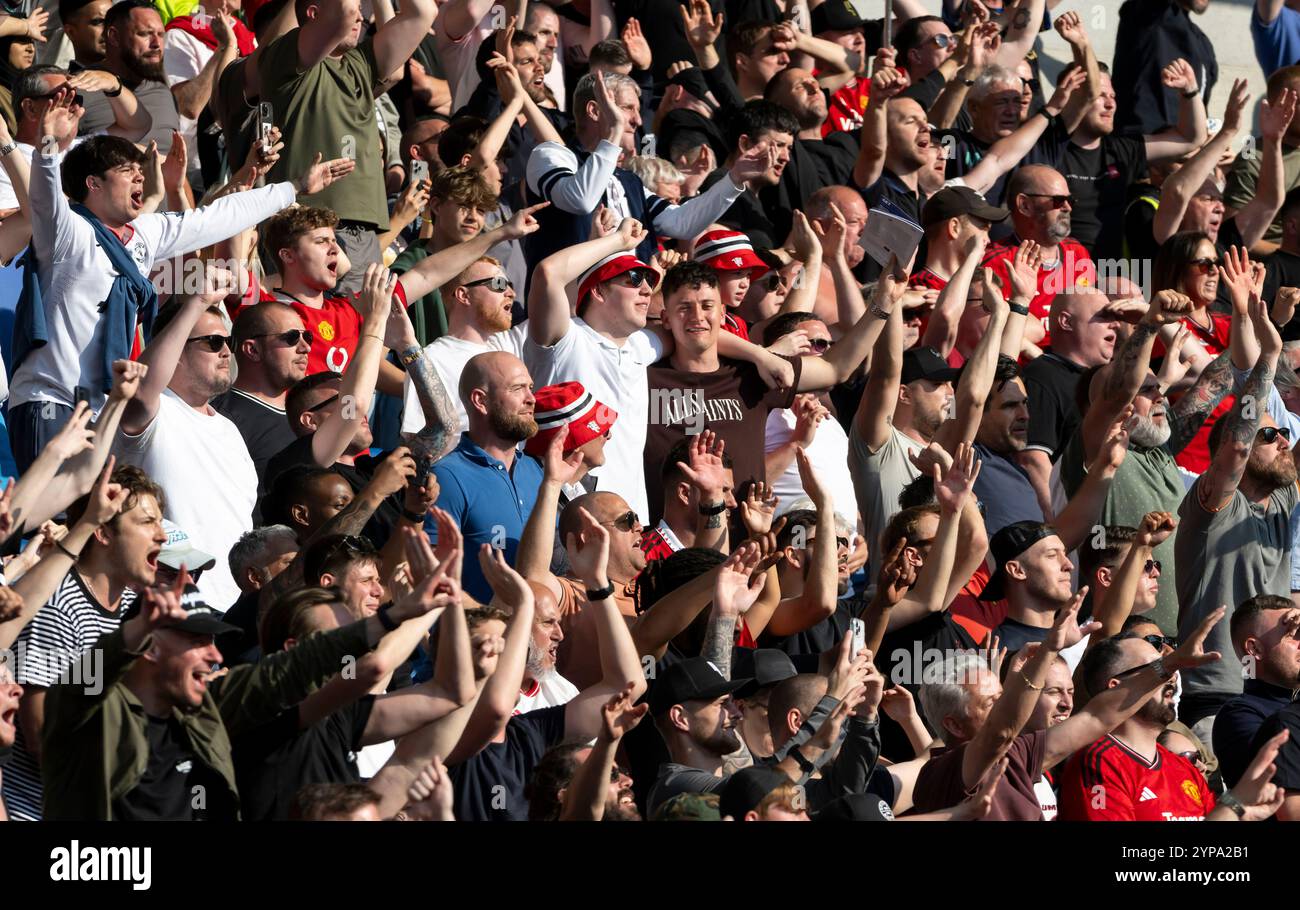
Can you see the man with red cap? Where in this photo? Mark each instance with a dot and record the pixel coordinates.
(568, 408)
(732, 256)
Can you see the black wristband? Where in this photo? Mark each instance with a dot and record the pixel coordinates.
(417, 517)
(804, 764)
(114, 94)
(713, 510)
(1018, 308)
(602, 594)
(385, 620)
(1192, 94)
(66, 552)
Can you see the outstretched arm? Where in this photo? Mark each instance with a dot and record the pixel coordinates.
(548, 301)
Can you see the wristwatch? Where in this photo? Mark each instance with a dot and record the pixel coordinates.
(1018, 308)
(410, 515)
(602, 594)
(7, 149)
(713, 510)
(1229, 801)
(411, 356)
(117, 91)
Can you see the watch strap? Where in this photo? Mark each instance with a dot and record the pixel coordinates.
(602, 594)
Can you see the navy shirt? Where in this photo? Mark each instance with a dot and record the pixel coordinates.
(490, 786)
(489, 502)
(1239, 720)
(1004, 488)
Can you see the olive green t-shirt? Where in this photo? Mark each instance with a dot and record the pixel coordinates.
(1244, 178)
(328, 109)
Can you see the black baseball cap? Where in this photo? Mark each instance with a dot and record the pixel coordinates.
(748, 787)
(927, 363)
(692, 79)
(693, 128)
(836, 16)
(201, 618)
(856, 807)
(952, 201)
(765, 667)
(1006, 545)
(693, 679)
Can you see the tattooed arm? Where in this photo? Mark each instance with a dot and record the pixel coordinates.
(1219, 482)
(440, 419)
(1187, 414)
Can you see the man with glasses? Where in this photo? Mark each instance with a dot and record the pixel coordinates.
(1234, 535)
(271, 355)
(1110, 557)
(1266, 638)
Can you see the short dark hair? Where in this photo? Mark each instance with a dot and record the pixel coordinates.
(1289, 205)
(254, 320)
(1115, 539)
(171, 309)
(295, 400)
(610, 52)
(1247, 610)
(1006, 370)
(30, 83)
(334, 554)
(690, 274)
(918, 492)
(661, 577)
(903, 526)
(331, 802)
(94, 158)
(289, 488)
(743, 38)
(121, 11)
(908, 36)
(1102, 662)
(460, 138)
(289, 616)
(134, 481)
(785, 323)
(794, 519)
(553, 773)
(756, 118)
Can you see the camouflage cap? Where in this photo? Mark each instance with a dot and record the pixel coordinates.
(690, 807)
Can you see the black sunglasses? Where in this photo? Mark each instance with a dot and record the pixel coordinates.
(625, 522)
(1269, 435)
(326, 402)
(1159, 641)
(290, 338)
(352, 546)
(1058, 200)
(634, 277)
(496, 283)
(1204, 265)
(213, 343)
(1152, 564)
(819, 345)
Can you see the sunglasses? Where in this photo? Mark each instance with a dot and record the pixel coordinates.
(773, 282)
(1204, 266)
(213, 343)
(1159, 641)
(325, 403)
(1152, 564)
(942, 40)
(497, 283)
(635, 277)
(1191, 755)
(1058, 200)
(819, 345)
(1269, 435)
(352, 546)
(625, 522)
(290, 338)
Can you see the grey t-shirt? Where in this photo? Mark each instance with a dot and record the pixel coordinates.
(674, 779)
(1226, 557)
(157, 100)
(878, 478)
(1004, 489)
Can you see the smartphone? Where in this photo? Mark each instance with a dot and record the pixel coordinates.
(859, 630)
(419, 171)
(265, 121)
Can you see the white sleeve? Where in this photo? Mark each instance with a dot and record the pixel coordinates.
(56, 229)
(554, 174)
(649, 345)
(169, 234)
(694, 215)
(181, 56)
(779, 429)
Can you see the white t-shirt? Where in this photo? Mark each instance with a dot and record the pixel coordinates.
(203, 466)
(829, 455)
(184, 57)
(449, 356)
(7, 198)
(550, 692)
(616, 376)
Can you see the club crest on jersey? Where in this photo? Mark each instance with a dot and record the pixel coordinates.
(325, 331)
(139, 253)
(1193, 792)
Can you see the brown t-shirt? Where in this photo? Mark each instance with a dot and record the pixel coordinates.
(732, 401)
(940, 784)
(578, 659)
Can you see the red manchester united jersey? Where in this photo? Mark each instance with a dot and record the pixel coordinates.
(1073, 268)
(1107, 781)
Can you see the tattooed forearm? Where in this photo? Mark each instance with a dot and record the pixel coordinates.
(441, 421)
(1190, 411)
(719, 640)
(1131, 362)
(349, 521)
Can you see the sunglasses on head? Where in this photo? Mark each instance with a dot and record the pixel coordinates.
(1058, 200)
(352, 546)
(213, 343)
(1204, 265)
(625, 522)
(1159, 641)
(290, 338)
(496, 283)
(1269, 435)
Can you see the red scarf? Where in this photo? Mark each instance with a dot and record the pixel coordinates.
(243, 37)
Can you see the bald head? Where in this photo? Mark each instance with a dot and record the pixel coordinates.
(497, 391)
(798, 693)
(486, 372)
(602, 505)
(843, 198)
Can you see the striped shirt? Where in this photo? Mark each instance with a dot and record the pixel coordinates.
(68, 625)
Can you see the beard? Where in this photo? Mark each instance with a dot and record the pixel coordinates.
(808, 118)
(1148, 434)
(1157, 711)
(537, 665)
(1059, 229)
(1275, 474)
(512, 426)
(143, 69)
(721, 742)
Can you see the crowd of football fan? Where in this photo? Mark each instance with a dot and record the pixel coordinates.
(505, 409)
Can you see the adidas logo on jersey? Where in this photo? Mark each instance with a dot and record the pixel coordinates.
(1146, 795)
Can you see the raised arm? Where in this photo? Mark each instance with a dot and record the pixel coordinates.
(886, 82)
(192, 96)
(976, 46)
(1191, 129)
(537, 543)
(976, 381)
(874, 419)
(548, 301)
(1070, 27)
(1215, 487)
(820, 594)
(555, 175)
(1079, 517)
(738, 586)
(1115, 605)
(584, 798)
(847, 354)
(941, 331)
(1023, 29)
(1254, 217)
(397, 39)
(1008, 151)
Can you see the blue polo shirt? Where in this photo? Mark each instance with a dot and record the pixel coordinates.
(1239, 720)
(490, 503)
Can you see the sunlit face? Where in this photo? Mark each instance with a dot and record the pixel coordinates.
(1271, 463)
(313, 259)
(628, 100)
(1100, 118)
(997, 114)
(10, 694)
(201, 368)
(801, 94)
(1201, 274)
(1056, 703)
(1276, 648)
(1204, 213)
(547, 635)
(694, 316)
(363, 592)
(733, 286)
(623, 304)
(780, 144)
(135, 539)
(490, 311)
(120, 192)
(454, 223)
(935, 44)
(764, 63)
(328, 403)
(908, 133)
(22, 54)
(281, 363)
(531, 69)
(1040, 215)
(1094, 331)
(140, 38)
(712, 725)
(1026, 74)
(343, 18)
(545, 25)
(1045, 570)
(984, 690)
(327, 496)
(1004, 427)
(183, 663)
(85, 31)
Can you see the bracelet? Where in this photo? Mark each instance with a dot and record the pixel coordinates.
(1018, 308)
(879, 312)
(1229, 801)
(66, 552)
(6, 150)
(802, 761)
(968, 82)
(117, 91)
(602, 593)
(713, 510)
(1031, 686)
(1191, 93)
(411, 355)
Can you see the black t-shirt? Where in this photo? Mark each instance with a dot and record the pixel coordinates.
(1288, 757)
(1139, 222)
(814, 163)
(903, 658)
(890, 187)
(299, 452)
(822, 637)
(1014, 634)
(1151, 34)
(275, 761)
(240, 647)
(661, 23)
(1050, 382)
(265, 428)
(746, 214)
(927, 91)
(1283, 271)
(163, 793)
(1098, 179)
(490, 786)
